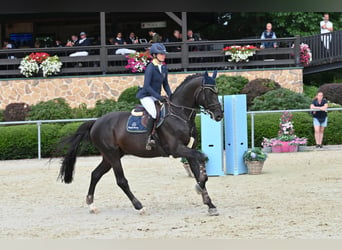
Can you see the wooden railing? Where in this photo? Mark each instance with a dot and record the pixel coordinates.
(200, 55)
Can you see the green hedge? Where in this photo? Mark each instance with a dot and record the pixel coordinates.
(20, 142)
(267, 125)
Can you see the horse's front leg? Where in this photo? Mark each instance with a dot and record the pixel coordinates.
(199, 170)
(197, 164)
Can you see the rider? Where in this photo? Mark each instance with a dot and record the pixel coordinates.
(156, 75)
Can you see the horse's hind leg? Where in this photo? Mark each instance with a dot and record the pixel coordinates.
(114, 158)
(96, 175)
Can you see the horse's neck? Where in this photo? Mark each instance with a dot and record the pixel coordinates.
(186, 96)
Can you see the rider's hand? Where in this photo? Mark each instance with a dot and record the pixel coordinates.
(163, 99)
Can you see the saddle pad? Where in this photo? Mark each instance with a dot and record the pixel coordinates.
(134, 124)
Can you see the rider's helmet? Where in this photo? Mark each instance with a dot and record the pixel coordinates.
(158, 48)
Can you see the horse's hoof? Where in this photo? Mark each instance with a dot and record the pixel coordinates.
(213, 212)
(142, 211)
(199, 190)
(93, 209)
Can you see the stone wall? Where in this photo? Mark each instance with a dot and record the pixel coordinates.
(78, 90)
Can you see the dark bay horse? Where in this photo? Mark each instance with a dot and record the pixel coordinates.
(177, 136)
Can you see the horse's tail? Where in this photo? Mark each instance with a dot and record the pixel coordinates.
(73, 143)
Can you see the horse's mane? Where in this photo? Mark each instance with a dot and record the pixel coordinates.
(186, 80)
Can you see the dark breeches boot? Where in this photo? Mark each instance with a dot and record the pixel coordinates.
(150, 126)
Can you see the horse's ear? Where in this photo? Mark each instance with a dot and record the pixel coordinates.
(206, 74)
(214, 74)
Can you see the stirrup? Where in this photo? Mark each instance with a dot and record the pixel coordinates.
(150, 143)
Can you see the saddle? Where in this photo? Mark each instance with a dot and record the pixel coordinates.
(137, 121)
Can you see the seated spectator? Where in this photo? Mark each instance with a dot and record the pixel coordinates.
(83, 41)
(268, 34)
(192, 37)
(132, 39)
(155, 37)
(9, 45)
(58, 43)
(176, 37)
(118, 40)
(70, 43)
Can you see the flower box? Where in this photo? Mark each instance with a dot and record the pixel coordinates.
(285, 146)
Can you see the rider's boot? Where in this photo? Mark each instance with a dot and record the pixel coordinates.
(150, 141)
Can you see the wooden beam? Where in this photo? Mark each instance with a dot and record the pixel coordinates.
(174, 17)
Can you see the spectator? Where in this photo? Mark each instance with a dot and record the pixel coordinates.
(326, 27)
(9, 45)
(176, 37)
(155, 38)
(132, 39)
(118, 40)
(58, 43)
(83, 41)
(320, 117)
(268, 34)
(192, 37)
(74, 39)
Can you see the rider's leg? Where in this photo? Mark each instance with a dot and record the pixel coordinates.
(149, 105)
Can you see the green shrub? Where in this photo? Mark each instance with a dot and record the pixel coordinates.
(82, 111)
(2, 115)
(54, 109)
(310, 91)
(267, 125)
(258, 87)
(281, 99)
(103, 107)
(230, 85)
(18, 142)
(128, 95)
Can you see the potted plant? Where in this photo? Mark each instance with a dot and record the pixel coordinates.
(286, 135)
(267, 144)
(301, 142)
(138, 61)
(254, 159)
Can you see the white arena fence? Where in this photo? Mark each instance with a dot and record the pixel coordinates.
(251, 113)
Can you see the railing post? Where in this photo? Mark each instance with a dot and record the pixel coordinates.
(185, 46)
(39, 140)
(103, 50)
(297, 51)
(252, 129)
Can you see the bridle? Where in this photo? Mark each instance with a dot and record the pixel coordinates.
(189, 113)
(207, 107)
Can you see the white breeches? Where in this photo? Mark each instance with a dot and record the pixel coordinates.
(148, 103)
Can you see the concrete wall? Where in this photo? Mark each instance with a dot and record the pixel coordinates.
(78, 90)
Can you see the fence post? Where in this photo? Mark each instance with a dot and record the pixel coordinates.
(297, 51)
(39, 140)
(252, 129)
(103, 50)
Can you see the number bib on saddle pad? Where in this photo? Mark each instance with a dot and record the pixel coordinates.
(136, 122)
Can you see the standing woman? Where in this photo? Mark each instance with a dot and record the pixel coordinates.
(156, 75)
(320, 117)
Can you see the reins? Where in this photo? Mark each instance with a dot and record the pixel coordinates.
(193, 111)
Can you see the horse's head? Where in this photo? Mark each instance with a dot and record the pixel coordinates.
(207, 97)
